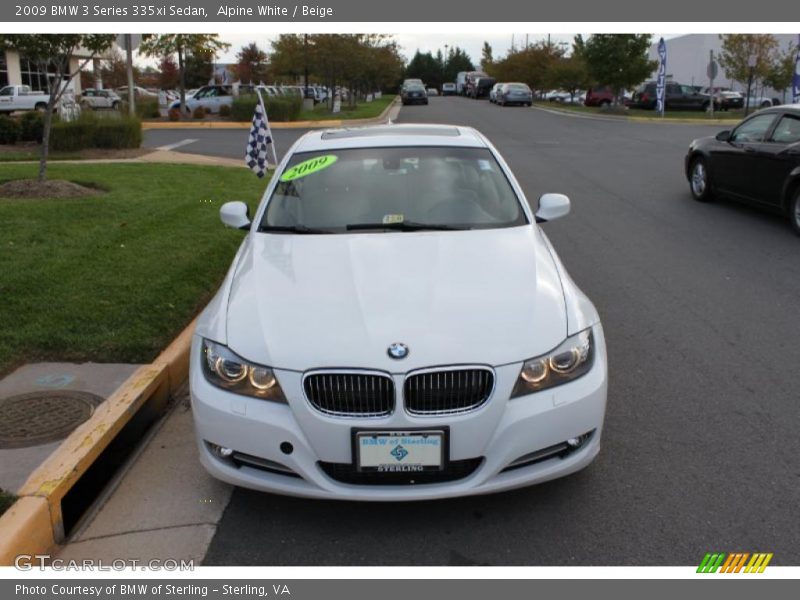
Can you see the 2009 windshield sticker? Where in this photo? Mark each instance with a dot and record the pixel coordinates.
(307, 167)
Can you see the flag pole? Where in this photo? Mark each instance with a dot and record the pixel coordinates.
(269, 129)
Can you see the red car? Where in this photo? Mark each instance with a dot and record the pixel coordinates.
(599, 95)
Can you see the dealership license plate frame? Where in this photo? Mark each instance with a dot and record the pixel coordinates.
(444, 456)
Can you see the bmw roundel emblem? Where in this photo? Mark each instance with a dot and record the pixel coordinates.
(398, 350)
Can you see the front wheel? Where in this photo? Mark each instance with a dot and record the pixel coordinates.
(698, 180)
(794, 211)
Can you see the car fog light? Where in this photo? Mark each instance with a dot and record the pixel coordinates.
(574, 442)
(220, 451)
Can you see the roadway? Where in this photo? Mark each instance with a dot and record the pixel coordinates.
(699, 304)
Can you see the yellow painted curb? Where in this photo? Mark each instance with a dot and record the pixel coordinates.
(25, 529)
(326, 124)
(638, 119)
(34, 525)
(241, 124)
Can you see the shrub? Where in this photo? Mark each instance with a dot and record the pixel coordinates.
(89, 131)
(224, 110)
(147, 108)
(68, 136)
(9, 130)
(125, 132)
(199, 112)
(31, 126)
(283, 108)
(174, 114)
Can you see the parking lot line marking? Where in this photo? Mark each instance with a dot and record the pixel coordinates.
(185, 142)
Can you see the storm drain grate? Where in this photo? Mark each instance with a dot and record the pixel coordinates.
(40, 417)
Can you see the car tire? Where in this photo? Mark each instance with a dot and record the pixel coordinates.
(699, 183)
(794, 211)
(115, 106)
(604, 103)
(40, 106)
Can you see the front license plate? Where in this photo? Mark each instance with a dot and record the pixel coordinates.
(399, 451)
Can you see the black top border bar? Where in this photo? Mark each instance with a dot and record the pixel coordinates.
(363, 11)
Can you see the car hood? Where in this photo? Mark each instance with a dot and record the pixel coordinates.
(471, 297)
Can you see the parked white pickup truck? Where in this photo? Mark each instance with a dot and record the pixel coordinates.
(21, 97)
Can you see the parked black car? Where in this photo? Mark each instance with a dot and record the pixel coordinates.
(482, 87)
(676, 97)
(414, 93)
(757, 162)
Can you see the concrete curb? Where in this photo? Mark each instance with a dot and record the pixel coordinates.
(635, 119)
(328, 124)
(34, 524)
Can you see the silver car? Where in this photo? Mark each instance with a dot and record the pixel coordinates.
(515, 93)
(98, 99)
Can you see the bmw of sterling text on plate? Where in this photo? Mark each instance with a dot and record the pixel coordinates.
(396, 326)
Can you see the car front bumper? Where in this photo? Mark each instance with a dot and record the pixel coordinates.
(497, 434)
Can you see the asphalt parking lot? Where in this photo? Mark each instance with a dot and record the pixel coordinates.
(699, 304)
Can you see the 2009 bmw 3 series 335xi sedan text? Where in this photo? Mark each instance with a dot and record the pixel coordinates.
(397, 326)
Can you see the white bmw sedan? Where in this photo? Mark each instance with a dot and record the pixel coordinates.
(396, 326)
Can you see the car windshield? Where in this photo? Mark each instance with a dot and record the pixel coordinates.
(517, 87)
(392, 189)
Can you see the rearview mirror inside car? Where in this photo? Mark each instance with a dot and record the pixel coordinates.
(552, 206)
(235, 215)
(723, 136)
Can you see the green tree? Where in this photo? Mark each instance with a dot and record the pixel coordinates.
(737, 50)
(198, 68)
(618, 60)
(532, 64)
(114, 69)
(423, 65)
(361, 62)
(457, 61)
(570, 74)
(487, 56)
(251, 64)
(182, 44)
(169, 76)
(54, 54)
(781, 69)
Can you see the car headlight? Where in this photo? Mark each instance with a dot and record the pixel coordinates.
(569, 361)
(228, 371)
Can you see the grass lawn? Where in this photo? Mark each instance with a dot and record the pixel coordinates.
(363, 110)
(732, 116)
(114, 277)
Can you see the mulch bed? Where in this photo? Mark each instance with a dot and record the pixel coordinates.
(55, 188)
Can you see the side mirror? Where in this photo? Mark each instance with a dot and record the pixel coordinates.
(235, 215)
(723, 136)
(552, 206)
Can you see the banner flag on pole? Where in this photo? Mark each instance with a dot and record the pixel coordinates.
(260, 141)
(661, 84)
(796, 76)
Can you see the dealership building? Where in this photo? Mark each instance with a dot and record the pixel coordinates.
(687, 60)
(16, 69)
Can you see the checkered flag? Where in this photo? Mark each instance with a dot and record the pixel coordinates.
(259, 142)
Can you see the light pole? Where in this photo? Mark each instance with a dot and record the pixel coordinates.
(444, 63)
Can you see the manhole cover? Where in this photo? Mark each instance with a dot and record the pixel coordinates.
(41, 417)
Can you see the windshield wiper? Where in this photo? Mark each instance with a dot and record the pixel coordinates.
(301, 229)
(406, 226)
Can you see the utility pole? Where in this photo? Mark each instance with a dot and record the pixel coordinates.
(129, 67)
